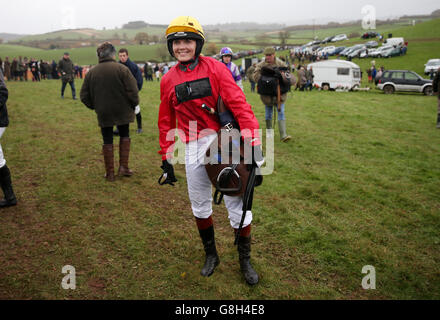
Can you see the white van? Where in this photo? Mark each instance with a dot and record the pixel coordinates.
(336, 74)
(395, 42)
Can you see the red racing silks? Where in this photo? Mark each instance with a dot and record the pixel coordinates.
(193, 122)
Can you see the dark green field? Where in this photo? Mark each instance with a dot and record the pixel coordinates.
(358, 185)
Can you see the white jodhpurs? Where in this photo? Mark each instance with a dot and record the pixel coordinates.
(200, 188)
(2, 158)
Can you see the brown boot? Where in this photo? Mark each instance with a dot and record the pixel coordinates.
(124, 152)
(107, 150)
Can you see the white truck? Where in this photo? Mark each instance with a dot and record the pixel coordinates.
(395, 42)
(336, 74)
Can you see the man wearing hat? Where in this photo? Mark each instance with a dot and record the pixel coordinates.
(436, 89)
(272, 67)
(67, 71)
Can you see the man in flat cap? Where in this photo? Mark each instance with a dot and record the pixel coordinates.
(67, 71)
(273, 78)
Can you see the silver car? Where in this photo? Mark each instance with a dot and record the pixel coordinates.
(404, 80)
(432, 65)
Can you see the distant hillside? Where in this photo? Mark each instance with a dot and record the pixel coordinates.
(90, 34)
(10, 36)
(243, 26)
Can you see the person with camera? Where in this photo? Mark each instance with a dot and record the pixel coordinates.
(273, 78)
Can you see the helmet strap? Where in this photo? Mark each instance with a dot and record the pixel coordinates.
(189, 65)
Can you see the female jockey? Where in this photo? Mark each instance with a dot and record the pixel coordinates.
(226, 55)
(194, 81)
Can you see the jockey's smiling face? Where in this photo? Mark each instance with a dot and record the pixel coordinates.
(184, 49)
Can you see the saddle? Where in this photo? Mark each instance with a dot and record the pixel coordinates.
(225, 158)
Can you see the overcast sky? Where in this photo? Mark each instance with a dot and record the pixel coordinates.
(33, 17)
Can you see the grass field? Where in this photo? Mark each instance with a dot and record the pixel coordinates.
(357, 185)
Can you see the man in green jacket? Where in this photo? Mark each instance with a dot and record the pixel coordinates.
(67, 71)
(111, 90)
(273, 64)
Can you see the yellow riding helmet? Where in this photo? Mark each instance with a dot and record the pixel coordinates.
(185, 27)
(185, 24)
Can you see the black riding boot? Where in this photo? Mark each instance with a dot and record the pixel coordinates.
(6, 185)
(244, 254)
(212, 259)
(438, 121)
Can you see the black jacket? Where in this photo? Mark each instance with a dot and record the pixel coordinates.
(135, 71)
(4, 120)
(436, 83)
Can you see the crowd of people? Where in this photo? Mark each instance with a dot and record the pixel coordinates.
(302, 57)
(154, 71)
(374, 74)
(31, 69)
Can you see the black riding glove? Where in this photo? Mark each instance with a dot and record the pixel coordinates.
(168, 174)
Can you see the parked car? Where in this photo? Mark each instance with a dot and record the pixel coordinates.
(328, 39)
(351, 49)
(329, 50)
(391, 52)
(345, 51)
(376, 52)
(338, 50)
(371, 44)
(356, 52)
(433, 65)
(404, 80)
(370, 34)
(340, 37)
(335, 73)
(364, 53)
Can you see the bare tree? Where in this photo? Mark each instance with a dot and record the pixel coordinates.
(142, 37)
(283, 35)
(211, 49)
(162, 52)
